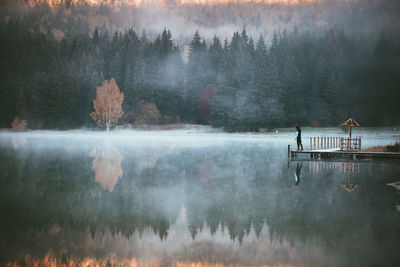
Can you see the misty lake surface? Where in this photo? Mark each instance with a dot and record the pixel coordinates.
(193, 198)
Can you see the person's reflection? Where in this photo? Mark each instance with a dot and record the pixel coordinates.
(107, 166)
(297, 173)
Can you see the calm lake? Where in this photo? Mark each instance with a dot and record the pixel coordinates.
(193, 198)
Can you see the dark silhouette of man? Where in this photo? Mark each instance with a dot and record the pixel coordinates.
(298, 138)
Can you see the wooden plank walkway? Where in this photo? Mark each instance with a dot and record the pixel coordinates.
(353, 155)
(343, 160)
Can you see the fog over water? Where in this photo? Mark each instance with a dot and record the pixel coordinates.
(194, 195)
(207, 136)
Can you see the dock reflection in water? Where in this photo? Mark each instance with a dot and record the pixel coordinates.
(316, 167)
(132, 204)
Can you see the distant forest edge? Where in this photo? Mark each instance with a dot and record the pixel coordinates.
(221, 18)
(50, 79)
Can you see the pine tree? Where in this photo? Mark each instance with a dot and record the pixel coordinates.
(197, 75)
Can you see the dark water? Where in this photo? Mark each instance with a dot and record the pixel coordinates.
(190, 199)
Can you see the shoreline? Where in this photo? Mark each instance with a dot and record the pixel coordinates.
(177, 127)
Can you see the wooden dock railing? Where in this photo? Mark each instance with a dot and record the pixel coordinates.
(329, 142)
(350, 144)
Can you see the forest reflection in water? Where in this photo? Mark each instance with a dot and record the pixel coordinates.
(164, 204)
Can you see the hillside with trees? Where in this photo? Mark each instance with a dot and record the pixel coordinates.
(49, 76)
(221, 18)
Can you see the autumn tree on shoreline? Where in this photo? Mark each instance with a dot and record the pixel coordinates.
(108, 104)
(148, 114)
(18, 125)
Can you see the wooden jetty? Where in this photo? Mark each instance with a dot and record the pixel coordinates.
(339, 148)
(339, 154)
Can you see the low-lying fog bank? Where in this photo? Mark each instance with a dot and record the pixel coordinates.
(204, 135)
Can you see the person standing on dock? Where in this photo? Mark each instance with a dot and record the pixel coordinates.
(298, 138)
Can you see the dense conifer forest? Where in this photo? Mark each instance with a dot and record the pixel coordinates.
(49, 78)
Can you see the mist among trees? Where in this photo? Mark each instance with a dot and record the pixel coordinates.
(243, 82)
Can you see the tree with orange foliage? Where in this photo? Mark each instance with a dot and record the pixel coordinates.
(108, 104)
(149, 114)
(18, 125)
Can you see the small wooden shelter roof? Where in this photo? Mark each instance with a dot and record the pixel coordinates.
(350, 122)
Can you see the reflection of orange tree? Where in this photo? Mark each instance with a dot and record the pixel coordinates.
(18, 142)
(107, 167)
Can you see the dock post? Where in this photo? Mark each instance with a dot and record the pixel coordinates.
(359, 143)
(315, 147)
(288, 152)
(310, 143)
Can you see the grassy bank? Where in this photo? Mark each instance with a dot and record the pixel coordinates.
(388, 148)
